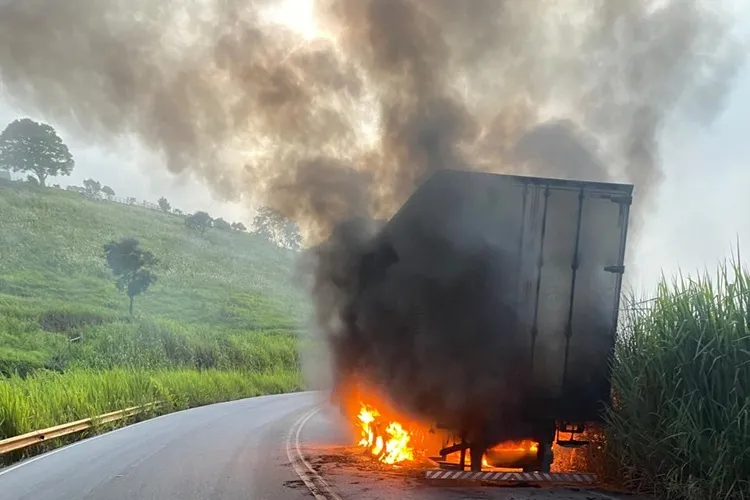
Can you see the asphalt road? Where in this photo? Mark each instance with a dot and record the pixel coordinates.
(273, 447)
(227, 451)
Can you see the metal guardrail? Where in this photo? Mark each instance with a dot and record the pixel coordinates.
(44, 435)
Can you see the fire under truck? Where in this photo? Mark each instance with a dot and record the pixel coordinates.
(567, 240)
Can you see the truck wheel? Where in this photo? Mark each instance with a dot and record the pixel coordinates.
(543, 462)
(544, 457)
(476, 454)
(545, 437)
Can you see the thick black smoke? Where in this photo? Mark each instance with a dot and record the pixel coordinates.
(433, 324)
(346, 125)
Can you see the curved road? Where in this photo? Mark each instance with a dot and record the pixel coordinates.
(248, 449)
(227, 451)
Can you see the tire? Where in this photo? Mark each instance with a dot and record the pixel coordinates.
(544, 454)
(476, 454)
(543, 461)
(544, 457)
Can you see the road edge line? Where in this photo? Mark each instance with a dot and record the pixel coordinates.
(322, 490)
(11, 467)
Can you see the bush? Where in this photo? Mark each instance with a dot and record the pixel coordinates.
(60, 321)
(680, 421)
(167, 344)
(21, 363)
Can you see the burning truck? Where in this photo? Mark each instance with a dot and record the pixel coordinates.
(484, 313)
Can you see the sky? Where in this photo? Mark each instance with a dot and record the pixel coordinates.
(700, 211)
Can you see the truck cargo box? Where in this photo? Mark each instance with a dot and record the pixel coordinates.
(567, 244)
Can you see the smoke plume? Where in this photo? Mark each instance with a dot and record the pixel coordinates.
(336, 130)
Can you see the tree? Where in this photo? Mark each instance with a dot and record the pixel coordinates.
(222, 224)
(164, 204)
(93, 188)
(238, 226)
(290, 237)
(276, 228)
(199, 221)
(108, 192)
(132, 267)
(177, 211)
(31, 147)
(264, 222)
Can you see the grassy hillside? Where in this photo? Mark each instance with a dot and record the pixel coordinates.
(224, 301)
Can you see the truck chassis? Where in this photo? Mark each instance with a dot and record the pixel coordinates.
(549, 434)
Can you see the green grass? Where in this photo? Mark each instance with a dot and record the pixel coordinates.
(219, 324)
(46, 399)
(680, 421)
(214, 293)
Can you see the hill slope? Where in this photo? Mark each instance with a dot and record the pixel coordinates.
(219, 298)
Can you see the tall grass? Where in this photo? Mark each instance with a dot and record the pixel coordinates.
(45, 399)
(679, 425)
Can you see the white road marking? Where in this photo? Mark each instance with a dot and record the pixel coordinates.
(319, 488)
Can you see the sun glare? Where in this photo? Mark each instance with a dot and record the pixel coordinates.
(297, 15)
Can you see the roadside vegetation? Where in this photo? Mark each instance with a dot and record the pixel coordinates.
(680, 421)
(215, 318)
(46, 399)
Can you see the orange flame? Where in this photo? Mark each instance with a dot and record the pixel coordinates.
(393, 438)
(518, 446)
(393, 446)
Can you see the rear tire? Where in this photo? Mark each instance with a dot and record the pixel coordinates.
(477, 454)
(544, 457)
